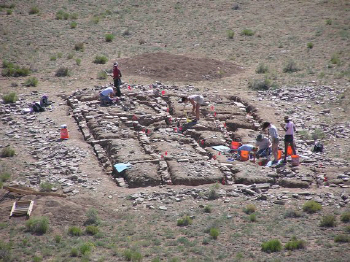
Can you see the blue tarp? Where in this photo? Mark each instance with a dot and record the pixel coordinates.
(120, 167)
(223, 149)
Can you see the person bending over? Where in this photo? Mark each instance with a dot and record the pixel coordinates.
(196, 101)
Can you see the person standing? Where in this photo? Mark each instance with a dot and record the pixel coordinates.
(289, 127)
(117, 74)
(196, 101)
(273, 134)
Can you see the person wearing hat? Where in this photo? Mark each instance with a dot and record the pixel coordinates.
(263, 144)
(272, 132)
(196, 101)
(107, 94)
(117, 74)
(289, 127)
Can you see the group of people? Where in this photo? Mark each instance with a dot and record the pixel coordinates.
(265, 145)
(107, 94)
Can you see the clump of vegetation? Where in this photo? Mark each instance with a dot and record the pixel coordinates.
(9, 12)
(70, 56)
(310, 45)
(91, 230)
(259, 84)
(38, 225)
(10, 98)
(5, 251)
(248, 32)
(10, 69)
(212, 194)
(100, 59)
(318, 134)
(109, 37)
(53, 58)
(294, 243)
(304, 135)
(230, 34)
(207, 209)
(46, 187)
(342, 238)
(311, 207)
(31, 81)
(74, 231)
(290, 67)
(58, 239)
(62, 72)
(74, 252)
(92, 217)
(34, 10)
(335, 60)
(132, 255)
(347, 229)
(262, 69)
(37, 259)
(61, 15)
(328, 21)
(4, 177)
(7, 152)
(96, 19)
(184, 221)
(214, 233)
(252, 217)
(73, 25)
(345, 217)
(126, 32)
(328, 221)
(270, 246)
(249, 209)
(102, 75)
(86, 248)
(78, 61)
(74, 16)
(292, 214)
(79, 46)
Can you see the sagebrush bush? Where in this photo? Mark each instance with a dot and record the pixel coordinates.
(230, 34)
(335, 59)
(73, 25)
(100, 59)
(207, 209)
(74, 252)
(46, 187)
(328, 21)
(259, 84)
(38, 225)
(252, 217)
(311, 207)
(109, 37)
(10, 69)
(132, 255)
(92, 217)
(74, 231)
(214, 233)
(262, 69)
(212, 194)
(292, 214)
(294, 243)
(185, 221)
(5, 251)
(34, 10)
(345, 217)
(102, 75)
(318, 134)
(58, 239)
(61, 15)
(249, 209)
(342, 238)
(347, 229)
(7, 152)
(62, 72)
(70, 56)
(247, 32)
(310, 45)
(10, 98)
(4, 176)
(328, 221)
(79, 46)
(290, 67)
(31, 81)
(91, 230)
(270, 246)
(86, 248)
(78, 61)
(53, 58)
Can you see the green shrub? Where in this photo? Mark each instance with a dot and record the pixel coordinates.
(318, 134)
(61, 15)
(328, 221)
(345, 217)
(74, 16)
(59, 55)
(7, 152)
(38, 225)
(102, 75)
(247, 32)
(10, 6)
(292, 214)
(53, 58)
(46, 187)
(347, 229)
(58, 239)
(335, 59)
(31, 81)
(9, 12)
(73, 25)
(310, 45)
(96, 19)
(270, 246)
(62, 72)
(304, 135)
(5, 251)
(86, 248)
(214, 233)
(328, 21)
(79, 46)
(10, 98)
(74, 252)
(37, 259)
(34, 10)
(290, 67)
(109, 37)
(4, 176)
(262, 69)
(207, 209)
(91, 230)
(249, 209)
(78, 61)
(294, 243)
(185, 221)
(132, 255)
(230, 34)
(92, 217)
(10, 69)
(212, 194)
(311, 207)
(342, 238)
(100, 59)
(259, 84)
(70, 56)
(252, 217)
(74, 231)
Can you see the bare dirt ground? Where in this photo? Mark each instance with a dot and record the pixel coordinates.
(179, 44)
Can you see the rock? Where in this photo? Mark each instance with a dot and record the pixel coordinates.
(293, 183)
(163, 208)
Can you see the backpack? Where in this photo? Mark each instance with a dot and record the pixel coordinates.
(318, 147)
(44, 101)
(37, 107)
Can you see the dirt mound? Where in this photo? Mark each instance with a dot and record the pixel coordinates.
(164, 66)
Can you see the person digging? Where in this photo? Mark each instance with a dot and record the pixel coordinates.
(196, 101)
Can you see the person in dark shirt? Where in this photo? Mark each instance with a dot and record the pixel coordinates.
(117, 74)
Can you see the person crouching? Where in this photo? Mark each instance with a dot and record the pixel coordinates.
(106, 95)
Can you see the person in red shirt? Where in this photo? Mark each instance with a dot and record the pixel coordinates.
(117, 78)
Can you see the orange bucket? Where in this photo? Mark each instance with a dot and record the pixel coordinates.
(289, 151)
(279, 154)
(244, 155)
(64, 132)
(235, 145)
(295, 160)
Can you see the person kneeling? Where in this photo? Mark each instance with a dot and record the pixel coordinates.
(106, 95)
(263, 144)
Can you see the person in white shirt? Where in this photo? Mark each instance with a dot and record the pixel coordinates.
(289, 127)
(106, 94)
(273, 134)
(263, 144)
(196, 101)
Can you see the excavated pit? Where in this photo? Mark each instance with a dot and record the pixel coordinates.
(148, 129)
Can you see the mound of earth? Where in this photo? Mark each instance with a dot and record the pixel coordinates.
(164, 66)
